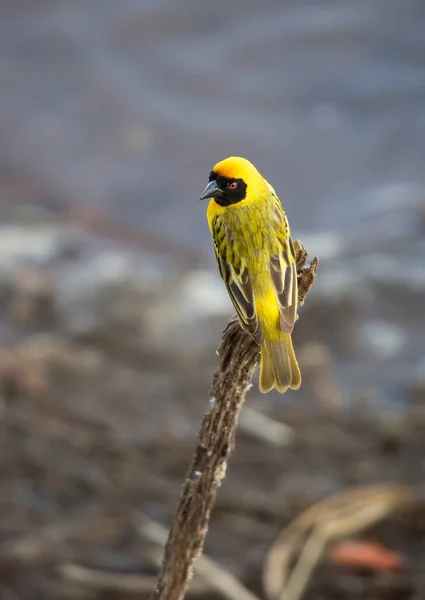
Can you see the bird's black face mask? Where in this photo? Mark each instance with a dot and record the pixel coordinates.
(224, 190)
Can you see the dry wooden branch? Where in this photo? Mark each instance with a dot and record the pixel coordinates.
(238, 359)
(217, 578)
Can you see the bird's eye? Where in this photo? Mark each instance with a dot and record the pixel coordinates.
(233, 185)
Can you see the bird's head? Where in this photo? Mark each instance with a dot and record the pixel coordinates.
(234, 180)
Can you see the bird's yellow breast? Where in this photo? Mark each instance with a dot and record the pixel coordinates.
(254, 236)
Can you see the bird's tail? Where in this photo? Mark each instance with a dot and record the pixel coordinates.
(279, 367)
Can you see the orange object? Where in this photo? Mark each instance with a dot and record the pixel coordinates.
(365, 555)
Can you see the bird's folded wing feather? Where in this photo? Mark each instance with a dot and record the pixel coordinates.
(236, 277)
(283, 269)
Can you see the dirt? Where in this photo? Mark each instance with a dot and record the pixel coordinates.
(100, 409)
(89, 442)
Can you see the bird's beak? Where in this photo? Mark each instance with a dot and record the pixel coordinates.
(211, 191)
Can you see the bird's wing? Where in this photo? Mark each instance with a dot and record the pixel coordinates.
(283, 268)
(235, 275)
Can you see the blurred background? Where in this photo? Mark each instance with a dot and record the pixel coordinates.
(112, 115)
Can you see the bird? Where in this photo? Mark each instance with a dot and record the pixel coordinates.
(256, 260)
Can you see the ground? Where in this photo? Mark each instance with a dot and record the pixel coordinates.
(105, 370)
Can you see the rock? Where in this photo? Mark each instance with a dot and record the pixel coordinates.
(397, 271)
(379, 267)
(382, 339)
(17, 376)
(39, 244)
(341, 283)
(90, 294)
(32, 298)
(200, 296)
(189, 315)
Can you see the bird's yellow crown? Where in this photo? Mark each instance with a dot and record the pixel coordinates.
(236, 167)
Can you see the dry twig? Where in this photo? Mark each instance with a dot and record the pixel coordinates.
(238, 359)
(264, 428)
(121, 583)
(299, 547)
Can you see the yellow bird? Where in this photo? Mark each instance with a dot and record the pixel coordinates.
(256, 260)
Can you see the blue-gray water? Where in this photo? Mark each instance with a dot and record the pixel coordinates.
(126, 105)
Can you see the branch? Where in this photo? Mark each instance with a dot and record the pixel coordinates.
(238, 358)
(218, 579)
